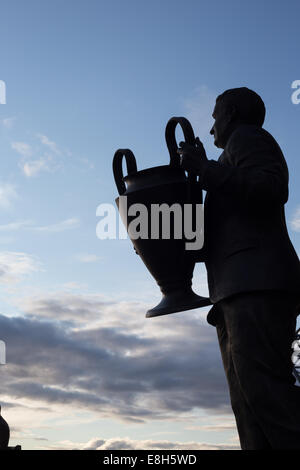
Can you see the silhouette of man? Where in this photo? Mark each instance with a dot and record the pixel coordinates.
(253, 270)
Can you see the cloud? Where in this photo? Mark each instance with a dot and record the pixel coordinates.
(125, 443)
(22, 148)
(34, 167)
(77, 286)
(8, 123)
(87, 258)
(6, 240)
(67, 224)
(14, 266)
(220, 427)
(48, 143)
(15, 226)
(42, 159)
(295, 222)
(7, 195)
(131, 444)
(43, 155)
(68, 307)
(115, 364)
(217, 423)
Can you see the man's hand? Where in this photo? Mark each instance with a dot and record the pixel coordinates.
(193, 157)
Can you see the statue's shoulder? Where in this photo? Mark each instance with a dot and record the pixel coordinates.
(248, 136)
(248, 131)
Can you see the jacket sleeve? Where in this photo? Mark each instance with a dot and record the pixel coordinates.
(255, 169)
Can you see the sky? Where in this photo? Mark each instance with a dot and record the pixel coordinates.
(85, 369)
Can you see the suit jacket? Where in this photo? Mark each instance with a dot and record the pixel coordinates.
(246, 242)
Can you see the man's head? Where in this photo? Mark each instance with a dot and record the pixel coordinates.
(234, 107)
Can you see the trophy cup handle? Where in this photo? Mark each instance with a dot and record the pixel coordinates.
(118, 170)
(175, 161)
(189, 137)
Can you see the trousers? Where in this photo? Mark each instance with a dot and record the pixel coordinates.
(255, 332)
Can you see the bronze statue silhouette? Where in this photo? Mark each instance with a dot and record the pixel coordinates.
(253, 270)
(4, 433)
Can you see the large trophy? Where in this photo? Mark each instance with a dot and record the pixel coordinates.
(164, 250)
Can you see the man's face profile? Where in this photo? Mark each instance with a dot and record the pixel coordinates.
(220, 127)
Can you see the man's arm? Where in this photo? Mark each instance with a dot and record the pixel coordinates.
(256, 170)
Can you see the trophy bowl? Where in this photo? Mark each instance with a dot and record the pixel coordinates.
(160, 195)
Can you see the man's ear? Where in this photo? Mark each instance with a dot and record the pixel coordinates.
(232, 113)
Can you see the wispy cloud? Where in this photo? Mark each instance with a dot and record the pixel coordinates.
(45, 158)
(8, 123)
(87, 258)
(50, 144)
(74, 286)
(15, 226)
(34, 167)
(15, 265)
(22, 148)
(7, 195)
(67, 224)
(295, 222)
(43, 154)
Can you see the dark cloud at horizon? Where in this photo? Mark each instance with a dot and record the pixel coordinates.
(136, 373)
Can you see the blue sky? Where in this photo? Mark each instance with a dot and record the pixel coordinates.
(84, 79)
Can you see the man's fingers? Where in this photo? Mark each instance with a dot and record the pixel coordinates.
(185, 161)
(184, 149)
(187, 147)
(198, 142)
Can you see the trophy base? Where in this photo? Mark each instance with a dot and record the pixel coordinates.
(178, 301)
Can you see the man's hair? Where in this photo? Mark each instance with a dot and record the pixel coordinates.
(249, 105)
